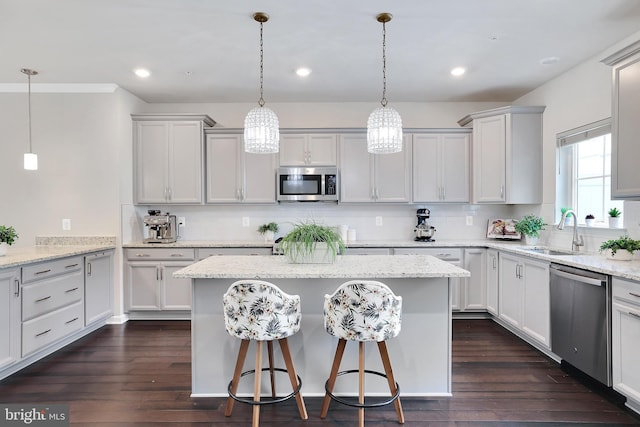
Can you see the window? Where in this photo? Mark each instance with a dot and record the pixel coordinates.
(584, 171)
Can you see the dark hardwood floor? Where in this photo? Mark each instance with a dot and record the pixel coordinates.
(139, 374)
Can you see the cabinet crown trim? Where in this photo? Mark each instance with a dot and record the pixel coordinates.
(513, 109)
(622, 54)
(205, 119)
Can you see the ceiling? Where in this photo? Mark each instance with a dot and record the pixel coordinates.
(208, 50)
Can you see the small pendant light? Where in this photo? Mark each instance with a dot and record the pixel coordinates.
(261, 127)
(384, 127)
(30, 158)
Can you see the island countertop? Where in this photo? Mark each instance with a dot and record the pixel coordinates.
(346, 266)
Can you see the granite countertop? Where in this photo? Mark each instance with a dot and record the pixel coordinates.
(48, 248)
(346, 266)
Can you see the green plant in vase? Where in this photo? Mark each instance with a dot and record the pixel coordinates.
(8, 236)
(623, 243)
(615, 217)
(312, 243)
(530, 227)
(268, 230)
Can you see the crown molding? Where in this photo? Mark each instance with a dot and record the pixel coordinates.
(59, 87)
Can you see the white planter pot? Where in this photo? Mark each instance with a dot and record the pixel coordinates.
(3, 248)
(615, 222)
(621, 255)
(531, 240)
(589, 222)
(269, 236)
(319, 255)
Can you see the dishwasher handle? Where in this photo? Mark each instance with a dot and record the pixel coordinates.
(578, 277)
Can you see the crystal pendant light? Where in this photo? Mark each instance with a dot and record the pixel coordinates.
(384, 127)
(30, 158)
(261, 128)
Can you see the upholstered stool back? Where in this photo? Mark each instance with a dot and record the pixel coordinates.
(363, 310)
(258, 310)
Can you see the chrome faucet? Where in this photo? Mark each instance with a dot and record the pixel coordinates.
(577, 239)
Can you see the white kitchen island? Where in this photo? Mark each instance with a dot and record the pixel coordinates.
(420, 355)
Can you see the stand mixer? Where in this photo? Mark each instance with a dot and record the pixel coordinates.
(424, 231)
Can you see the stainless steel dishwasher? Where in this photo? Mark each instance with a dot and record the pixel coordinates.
(581, 320)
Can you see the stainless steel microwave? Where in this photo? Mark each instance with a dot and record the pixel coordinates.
(312, 184)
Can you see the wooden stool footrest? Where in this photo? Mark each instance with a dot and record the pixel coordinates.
(269, 400)
(349, 402)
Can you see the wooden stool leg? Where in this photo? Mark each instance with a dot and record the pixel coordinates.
(361, 382)
(288, 362)
(242, 354)
(256, 385)
(384, 355)
(271, 371)
(332, 376)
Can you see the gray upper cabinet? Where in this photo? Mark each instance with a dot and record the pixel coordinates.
(168, 158)
(234, 176)
(319, 149)
(379, 178)
(625, 127)
(506, 155)
(441, 168)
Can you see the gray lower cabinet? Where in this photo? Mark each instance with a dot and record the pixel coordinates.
(9, 317)
(492, 281)
(524, 297)
(98, 289)
(52, 302)
(149, 282)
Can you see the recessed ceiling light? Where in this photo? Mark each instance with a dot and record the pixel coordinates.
(458, 71)
(141, 72)
(549, 60)
(303, 72)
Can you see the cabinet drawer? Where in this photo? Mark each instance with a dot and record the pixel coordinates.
(43, 270)
(207, 252)
(446, 254)
(51, 327)
(48, 295)
(626, 290)
(162, 254)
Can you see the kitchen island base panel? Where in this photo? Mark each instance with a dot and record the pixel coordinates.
(421, 352)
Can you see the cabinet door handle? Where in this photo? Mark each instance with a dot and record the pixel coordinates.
(161, 273)
(143, 255)
(634, 315)
(634, 295)
(71, 265)
(170, 192)
(444, 194)
(177, 255)
(157, 273)
(43, 299)
(502, 191)
(17, 284)
(42, 272)
(42, 333)
(88, 269)
(70, 290)
(494, 263)
(71, 321)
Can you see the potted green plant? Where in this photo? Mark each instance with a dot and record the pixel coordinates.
(310, 243)
(8, 236)
(615, 217)
(567, 220)
(530, 226)
(268, 231)
(621, 248)
(589, 220)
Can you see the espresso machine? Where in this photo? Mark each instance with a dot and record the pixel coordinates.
(162, 227)
(424, 231)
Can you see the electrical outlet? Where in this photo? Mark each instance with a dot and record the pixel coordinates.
(182, 221)
(246, 222)
(378, 221)
(66, 224)
(469, 220)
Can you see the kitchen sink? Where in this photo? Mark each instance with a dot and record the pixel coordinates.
(547, 251)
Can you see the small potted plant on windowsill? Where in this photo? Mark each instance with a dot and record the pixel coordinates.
(311, 243)
(530, 226)
(589, 220)
(268, 231)
(8, 236)
(620, 249)
(615, 218)
(567, 220)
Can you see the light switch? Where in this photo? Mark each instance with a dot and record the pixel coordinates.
(378, 221)
(246, 222)
(469, 220)
(66, 224)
